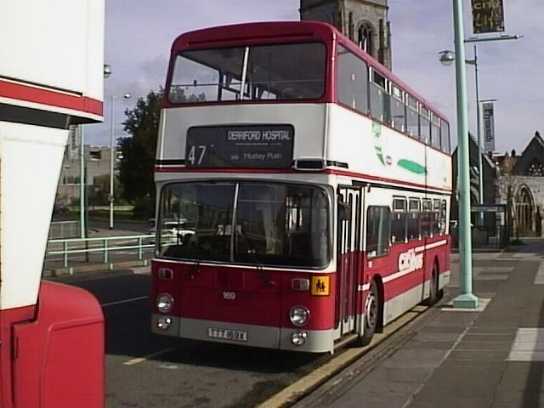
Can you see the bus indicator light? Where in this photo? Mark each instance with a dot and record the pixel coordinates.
(320, 286)
(301, 285)
(166, 274)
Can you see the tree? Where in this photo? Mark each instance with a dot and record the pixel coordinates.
(138, 152)
(98, 194)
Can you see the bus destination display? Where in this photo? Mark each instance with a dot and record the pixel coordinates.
(262, 146)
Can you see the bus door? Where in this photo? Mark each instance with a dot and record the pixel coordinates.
(348, 256)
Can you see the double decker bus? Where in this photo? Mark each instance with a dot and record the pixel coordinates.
(310, 188)
(51, 78)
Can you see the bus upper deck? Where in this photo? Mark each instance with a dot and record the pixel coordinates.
(296, 96)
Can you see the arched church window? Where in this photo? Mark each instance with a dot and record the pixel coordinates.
(536, 169)
(525, 210)
(365, 35)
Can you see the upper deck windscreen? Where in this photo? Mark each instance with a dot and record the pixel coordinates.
(252, 73)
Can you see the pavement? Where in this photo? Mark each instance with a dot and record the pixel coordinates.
(493, 357)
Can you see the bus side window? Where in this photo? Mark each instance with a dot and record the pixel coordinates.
(424, 125)
(412, 117)
(398, 221)
(380, 109)
(352, 81)
(443, 216)
(398, 109)
(378, 231)
(426, 219)
(435, 132)
(414, 219)
(445, 136)
(436, 217)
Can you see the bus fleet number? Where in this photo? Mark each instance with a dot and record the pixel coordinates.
(197, 154)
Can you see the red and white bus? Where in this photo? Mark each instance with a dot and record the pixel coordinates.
(310, 185)
(51, 77)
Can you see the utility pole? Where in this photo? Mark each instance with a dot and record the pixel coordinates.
(479, 135)
(112, 158)
(113, 154)
(82, 181)
(466, 300)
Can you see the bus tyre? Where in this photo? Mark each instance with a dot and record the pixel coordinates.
(372, 315)
(435, 294)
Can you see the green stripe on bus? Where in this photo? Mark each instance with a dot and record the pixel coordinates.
(412, 166)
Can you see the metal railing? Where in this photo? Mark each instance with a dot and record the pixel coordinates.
(106, 245)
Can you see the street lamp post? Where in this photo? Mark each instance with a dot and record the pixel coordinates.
(466, 300)
(478, 132)
(82, 170)
(82, 182)
(113, 154)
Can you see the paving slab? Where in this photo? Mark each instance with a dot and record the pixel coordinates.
(453, 402)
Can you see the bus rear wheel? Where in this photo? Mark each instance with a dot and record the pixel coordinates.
(372, 315)
(435, 292)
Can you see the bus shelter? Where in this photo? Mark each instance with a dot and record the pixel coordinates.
(490, 227)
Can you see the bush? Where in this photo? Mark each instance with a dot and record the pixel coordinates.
(144, 208)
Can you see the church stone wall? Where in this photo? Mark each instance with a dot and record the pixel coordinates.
(366, 12)
(319, 10)
(535, 186)
(349, 16)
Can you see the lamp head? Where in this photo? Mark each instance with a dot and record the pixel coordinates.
(107, 71)
(447, 57)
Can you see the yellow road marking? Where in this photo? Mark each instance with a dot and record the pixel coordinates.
(139, 360)
(121, 302)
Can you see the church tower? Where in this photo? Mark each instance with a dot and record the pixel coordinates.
(364, 21)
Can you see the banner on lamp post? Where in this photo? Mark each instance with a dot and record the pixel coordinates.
(488, 112)
(487, 16)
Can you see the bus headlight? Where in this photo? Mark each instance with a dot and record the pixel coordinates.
(165, 301)
(299, 315)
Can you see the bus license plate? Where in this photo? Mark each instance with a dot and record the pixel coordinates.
(227, 334)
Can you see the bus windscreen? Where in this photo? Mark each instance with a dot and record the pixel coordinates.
(251, 73)
(275, 224)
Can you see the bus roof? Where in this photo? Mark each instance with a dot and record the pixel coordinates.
(258, 32)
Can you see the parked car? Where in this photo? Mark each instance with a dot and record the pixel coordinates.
(174, 231)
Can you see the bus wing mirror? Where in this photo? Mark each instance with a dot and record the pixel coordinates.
(344, 211)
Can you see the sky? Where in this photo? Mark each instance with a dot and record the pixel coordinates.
(139, 34)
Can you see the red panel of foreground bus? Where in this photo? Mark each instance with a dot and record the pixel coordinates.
(58, 358)
(263, 297)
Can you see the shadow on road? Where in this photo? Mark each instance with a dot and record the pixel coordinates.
(533, 394)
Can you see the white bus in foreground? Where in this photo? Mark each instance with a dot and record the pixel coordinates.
(51, 335)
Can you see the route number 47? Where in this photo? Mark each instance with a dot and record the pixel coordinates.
(197, 154)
